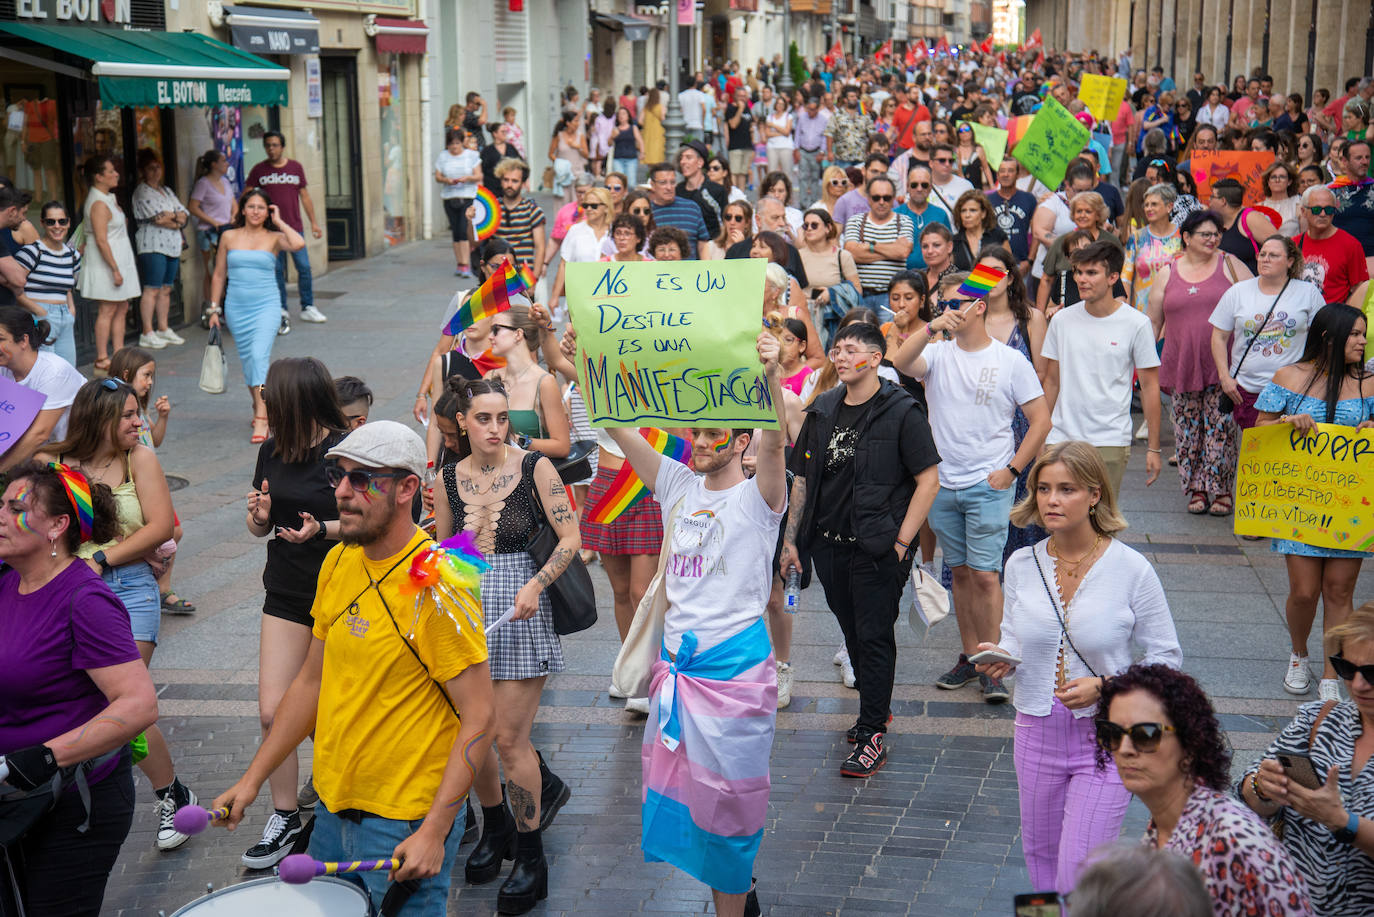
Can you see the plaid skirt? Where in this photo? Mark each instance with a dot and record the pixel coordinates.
(638, 530)
(518, 649)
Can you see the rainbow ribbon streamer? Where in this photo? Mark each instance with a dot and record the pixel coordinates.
(981, 280)
(626, 488)
(450, 574)
(491, 297)
(79, 491)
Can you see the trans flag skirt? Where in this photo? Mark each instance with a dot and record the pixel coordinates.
(705, 757)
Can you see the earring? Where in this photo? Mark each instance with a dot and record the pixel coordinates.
(53, 539)
(1092, 510)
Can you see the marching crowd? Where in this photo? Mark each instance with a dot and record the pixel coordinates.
(953, 350)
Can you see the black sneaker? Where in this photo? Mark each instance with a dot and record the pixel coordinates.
(276, 841)
(852, 736)
(994, 692)
(867, 758)
(962, 673)
(285, 327)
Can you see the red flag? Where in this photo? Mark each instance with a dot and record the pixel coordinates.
(1039, 61)
(986, 46)
(921, 51)
(834, 54)
(910, 56)
(942, 47)
(885, 50)
(1035, 41)
(1001, 58)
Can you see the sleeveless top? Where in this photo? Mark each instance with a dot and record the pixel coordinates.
(128, 511)
(527, 421)
(515, 521)
(625, 144)
(1237, 241)
(1186, 364)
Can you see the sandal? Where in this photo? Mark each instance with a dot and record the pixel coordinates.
(1173, 460)
(101, 367)
(1221, 506)
(1198, 504)
(259, 437)
(175, 604)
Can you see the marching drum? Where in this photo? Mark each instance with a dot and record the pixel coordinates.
(323, 897)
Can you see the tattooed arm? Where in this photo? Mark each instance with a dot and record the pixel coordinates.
(132, 709)
(553, 494)
(423, 851)
(797, 505)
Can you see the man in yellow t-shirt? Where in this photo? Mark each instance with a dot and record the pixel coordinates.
(382, 686)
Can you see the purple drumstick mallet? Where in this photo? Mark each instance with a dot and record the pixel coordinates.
(297, 869)
(195, 819)
(300, 868)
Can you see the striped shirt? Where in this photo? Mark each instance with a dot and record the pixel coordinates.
(517, 228)
(862, 229)
(684, 214)
(50, 273)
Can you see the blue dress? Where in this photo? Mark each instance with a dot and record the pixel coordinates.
(1350, 412)
(252, 310)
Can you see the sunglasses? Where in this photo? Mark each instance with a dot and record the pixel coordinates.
(112, 385)
(496, 328)
(614, 188)
(837, 182)
(917, 185)
(1347, 669)
(880, 197)
(733, 218)
(358, 479)
(55, 222)
(944, 161)
(965, 130)
(639, 211)
(591, 206)
(810, 225)
(1330, 210)
(1145, 737)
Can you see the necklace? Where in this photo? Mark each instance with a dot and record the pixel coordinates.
(471, 486)
(1070, 567)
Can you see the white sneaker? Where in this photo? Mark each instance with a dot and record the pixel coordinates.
(841, 655)
(847, 672)
(638, 705)
(152, 341)
(170, 336)
(1298, 680)
(612, 692)
(168, 837)
(1143, 431)
(311, 314)
(784, 684)
(1330, 689)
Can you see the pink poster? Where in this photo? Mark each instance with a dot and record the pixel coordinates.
(686, 12)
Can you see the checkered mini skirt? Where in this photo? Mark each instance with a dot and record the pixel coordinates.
(518, 649)
(638, 530)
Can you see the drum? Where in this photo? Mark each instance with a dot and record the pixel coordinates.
(326, 896)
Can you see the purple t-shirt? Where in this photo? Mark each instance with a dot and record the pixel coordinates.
(283, 185)
(47, 641)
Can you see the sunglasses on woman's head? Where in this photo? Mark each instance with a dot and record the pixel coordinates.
(112, 385)
(1347, 669)
(1145, 737)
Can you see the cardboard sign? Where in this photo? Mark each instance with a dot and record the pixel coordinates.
(1102, 95)
(1054, 139)
(993, 141)
(18, 407)
(1209, 166)
(1315, 488)
(670, 343)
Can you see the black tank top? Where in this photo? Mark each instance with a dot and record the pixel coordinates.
(1235, 242)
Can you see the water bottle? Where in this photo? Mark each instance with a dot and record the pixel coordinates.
(791, 595)
(431, 475)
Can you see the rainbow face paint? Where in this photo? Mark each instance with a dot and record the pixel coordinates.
(21, 520)
(722, 444)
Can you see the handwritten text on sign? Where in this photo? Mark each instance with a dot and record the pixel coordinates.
(18, 407)
(670, 343)
(1315, 488)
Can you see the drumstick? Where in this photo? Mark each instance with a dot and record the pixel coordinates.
(195, 819)
(300, 868)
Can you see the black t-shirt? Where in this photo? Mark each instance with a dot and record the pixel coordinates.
(1025, 103)
(472, 121)
(7, 249)
(490, 157)
(835, 493)
(1112, 198)
(965, 257)
(741, 137)
(293, 569)
(711, 198)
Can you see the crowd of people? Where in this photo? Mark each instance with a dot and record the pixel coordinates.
(917, 412)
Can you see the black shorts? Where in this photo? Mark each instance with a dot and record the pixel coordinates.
(456, 209)
(294, 608)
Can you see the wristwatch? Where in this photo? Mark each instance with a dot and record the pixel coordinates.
(99, 557)
(322, 534)
(1014, 472)
(1347, 834)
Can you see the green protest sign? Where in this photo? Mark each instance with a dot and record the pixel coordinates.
(993, 141)
(1054, 139)
(670, 343)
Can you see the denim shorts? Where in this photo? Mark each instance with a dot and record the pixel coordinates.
(334, 839)
(971, 525)
(134, 585)
(206, 239)
(157, 270)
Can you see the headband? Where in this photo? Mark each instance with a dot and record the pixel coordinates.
(79, 492)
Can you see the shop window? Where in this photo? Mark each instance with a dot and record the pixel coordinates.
(393, 149)
(30, 147)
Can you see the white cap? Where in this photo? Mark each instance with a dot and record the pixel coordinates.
(384, 444)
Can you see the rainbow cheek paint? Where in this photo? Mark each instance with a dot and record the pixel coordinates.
(21, 520)
(721, 444)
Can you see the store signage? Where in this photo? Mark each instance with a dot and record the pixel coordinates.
(116, 11)
(275, 40)
(149, 91)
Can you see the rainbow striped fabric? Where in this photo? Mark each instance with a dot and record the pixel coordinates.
(981, 280)
(626, 488)
(79, 492)
(1016, 129)
(491, 297)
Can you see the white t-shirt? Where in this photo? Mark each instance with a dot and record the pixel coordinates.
(1063, 222)
(460, 166)
(973, 396)
(1097, 357)
(581, 244)
(1243, 307)
(718, 572)
(950, 192)
(690, 102)
(55, 378)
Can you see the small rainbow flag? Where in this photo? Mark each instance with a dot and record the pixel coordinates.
(626, 489)
(981, 280)
(526, 277)
(1016, 129)
(491, 297)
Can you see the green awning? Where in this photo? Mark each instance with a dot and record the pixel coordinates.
(163, 69)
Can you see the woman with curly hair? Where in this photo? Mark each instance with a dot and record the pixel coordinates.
(1158, 727)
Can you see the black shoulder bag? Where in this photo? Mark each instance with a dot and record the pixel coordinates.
(1063, 625)
(1226, 405)
(570, 594)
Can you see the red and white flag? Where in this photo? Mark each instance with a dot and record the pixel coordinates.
(942, 47)
(835, 54)
(885, 50)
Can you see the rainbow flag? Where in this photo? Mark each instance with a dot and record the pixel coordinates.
(491, 297)
(626, 488)
(526, 277)
(981, 280)
(1016, 129)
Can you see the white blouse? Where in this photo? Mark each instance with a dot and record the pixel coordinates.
(148, 203)
(1120, 603)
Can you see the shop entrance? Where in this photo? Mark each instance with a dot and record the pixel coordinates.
(342, 183)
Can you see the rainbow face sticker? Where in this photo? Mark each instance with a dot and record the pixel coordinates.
(723, 443)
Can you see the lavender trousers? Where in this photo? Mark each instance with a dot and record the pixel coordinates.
(1068, 806)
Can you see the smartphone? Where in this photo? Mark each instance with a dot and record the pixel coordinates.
(1038, 904)
(987, 656)
(1300, 770)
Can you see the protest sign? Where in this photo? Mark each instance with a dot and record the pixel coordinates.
(1102, 95)
(18, 407)
(1016, 129)
(993, 141)
(1316, 488)
(670, 343)
(1054, 139)
(1209, 166)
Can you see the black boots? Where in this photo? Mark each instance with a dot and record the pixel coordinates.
(469, 825)
(553, 794)
(528, 882)
(496, 845)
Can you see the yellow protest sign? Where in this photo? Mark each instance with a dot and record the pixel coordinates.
(1316, 488)
(1055, 137)
(670, 343)
(1102, 95)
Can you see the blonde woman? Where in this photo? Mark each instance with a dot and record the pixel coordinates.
(586, 241)
(834, 183)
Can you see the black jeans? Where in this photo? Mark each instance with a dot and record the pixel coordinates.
(61, 872)
(863, 593)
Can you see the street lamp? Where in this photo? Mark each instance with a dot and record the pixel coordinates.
(785, 85)
(673, 124)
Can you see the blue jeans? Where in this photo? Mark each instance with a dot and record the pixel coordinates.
(303, 278)
(628, 168)
(62, 322)
(878, 302)
(337, 839)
